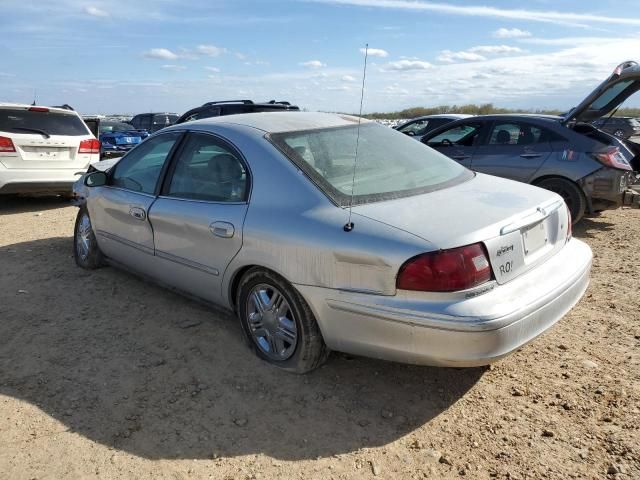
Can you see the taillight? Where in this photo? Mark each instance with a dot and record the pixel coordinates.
(612, 157)
(89, 146)
(38, 109)
(446, 270)
(6, 145)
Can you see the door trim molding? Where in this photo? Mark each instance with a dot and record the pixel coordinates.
(124, 241)
(187, 263)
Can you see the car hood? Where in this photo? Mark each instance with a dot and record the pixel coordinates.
(609, 95)
(470, 212)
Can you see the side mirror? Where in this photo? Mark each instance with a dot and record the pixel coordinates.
(410, 133)
(95, 179)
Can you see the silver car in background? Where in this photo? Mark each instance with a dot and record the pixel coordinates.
(435, 264)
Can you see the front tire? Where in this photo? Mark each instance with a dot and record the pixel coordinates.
(570, 192)
(85, 247)
(278, 323)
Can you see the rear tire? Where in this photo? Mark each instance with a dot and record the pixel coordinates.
(85, 247)
(278, 324)
(570, 192)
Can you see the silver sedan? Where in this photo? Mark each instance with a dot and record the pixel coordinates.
(402, 255)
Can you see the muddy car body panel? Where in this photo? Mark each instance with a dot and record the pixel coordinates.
(290, 216)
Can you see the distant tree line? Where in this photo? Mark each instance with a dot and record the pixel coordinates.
(473, 109)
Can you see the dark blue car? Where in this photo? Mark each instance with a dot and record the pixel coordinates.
(117, 138)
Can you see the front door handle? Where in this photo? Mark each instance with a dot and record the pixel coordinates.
(460, 156)
(531, 155)
(138, 213)
(222, 229)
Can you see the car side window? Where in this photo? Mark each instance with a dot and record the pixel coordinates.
(415, 128)
(516, 133)
(463, 135)
(208, 170)
(140, 170)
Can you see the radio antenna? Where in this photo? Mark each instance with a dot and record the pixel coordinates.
(349, 225)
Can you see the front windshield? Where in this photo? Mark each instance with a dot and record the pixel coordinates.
(389, 165)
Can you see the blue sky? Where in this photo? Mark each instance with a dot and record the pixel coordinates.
(117, 56)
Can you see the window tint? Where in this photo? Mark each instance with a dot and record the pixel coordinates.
(464, 135)
(389, 165)
(415, 128)
(140, 169)
(520, 133)
(53, 123)
(208, 170)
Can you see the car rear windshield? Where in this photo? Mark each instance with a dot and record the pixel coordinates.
(32, 122)
(390, 164)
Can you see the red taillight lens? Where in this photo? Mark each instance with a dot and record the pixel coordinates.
(38, 109)
(612, 157)
(446, 270)
(6, 145)
(89, 146)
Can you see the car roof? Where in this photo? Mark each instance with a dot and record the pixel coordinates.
(26, 106)
(444, 115)
(515, 116)
(276, 122)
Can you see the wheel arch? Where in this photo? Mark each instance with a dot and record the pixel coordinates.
(586, 198)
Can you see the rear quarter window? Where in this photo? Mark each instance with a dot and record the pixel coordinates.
(52, 123)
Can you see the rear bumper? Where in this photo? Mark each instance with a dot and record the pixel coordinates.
(37, 181)
(431, 329)
(605, 188)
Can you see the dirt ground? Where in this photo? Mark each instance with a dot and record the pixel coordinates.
(103, 375)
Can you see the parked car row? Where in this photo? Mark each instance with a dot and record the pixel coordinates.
(585, 157)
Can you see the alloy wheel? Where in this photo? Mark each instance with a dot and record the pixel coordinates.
(83, 237)
(271, 321)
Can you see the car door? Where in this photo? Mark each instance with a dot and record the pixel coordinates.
(120, 210)
(513, 149)
(458, 142)
(198, 217)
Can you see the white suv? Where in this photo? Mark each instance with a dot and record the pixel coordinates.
(42, 149)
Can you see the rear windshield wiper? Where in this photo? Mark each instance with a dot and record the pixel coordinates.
(36, 130)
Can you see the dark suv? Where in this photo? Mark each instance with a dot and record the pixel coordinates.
(232, 107)
(152, 122)
(621, 127)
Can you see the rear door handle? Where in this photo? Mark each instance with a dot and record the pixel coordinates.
(222, 229)
(460, 157)
(531, 155)
(138, 213)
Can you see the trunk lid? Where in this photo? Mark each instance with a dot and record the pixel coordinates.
(623, 82)
(520, 225)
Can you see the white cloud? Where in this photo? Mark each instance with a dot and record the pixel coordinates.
(95, 12)
(174, 68)
(549, 16)
(511, 33)
(212, 69)
(348, 78)
(313, 64)
(210, 50)
(404, 65)
(375, 52)
(447, 56)
(160, 54)
(477, 54)
(495, 49)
